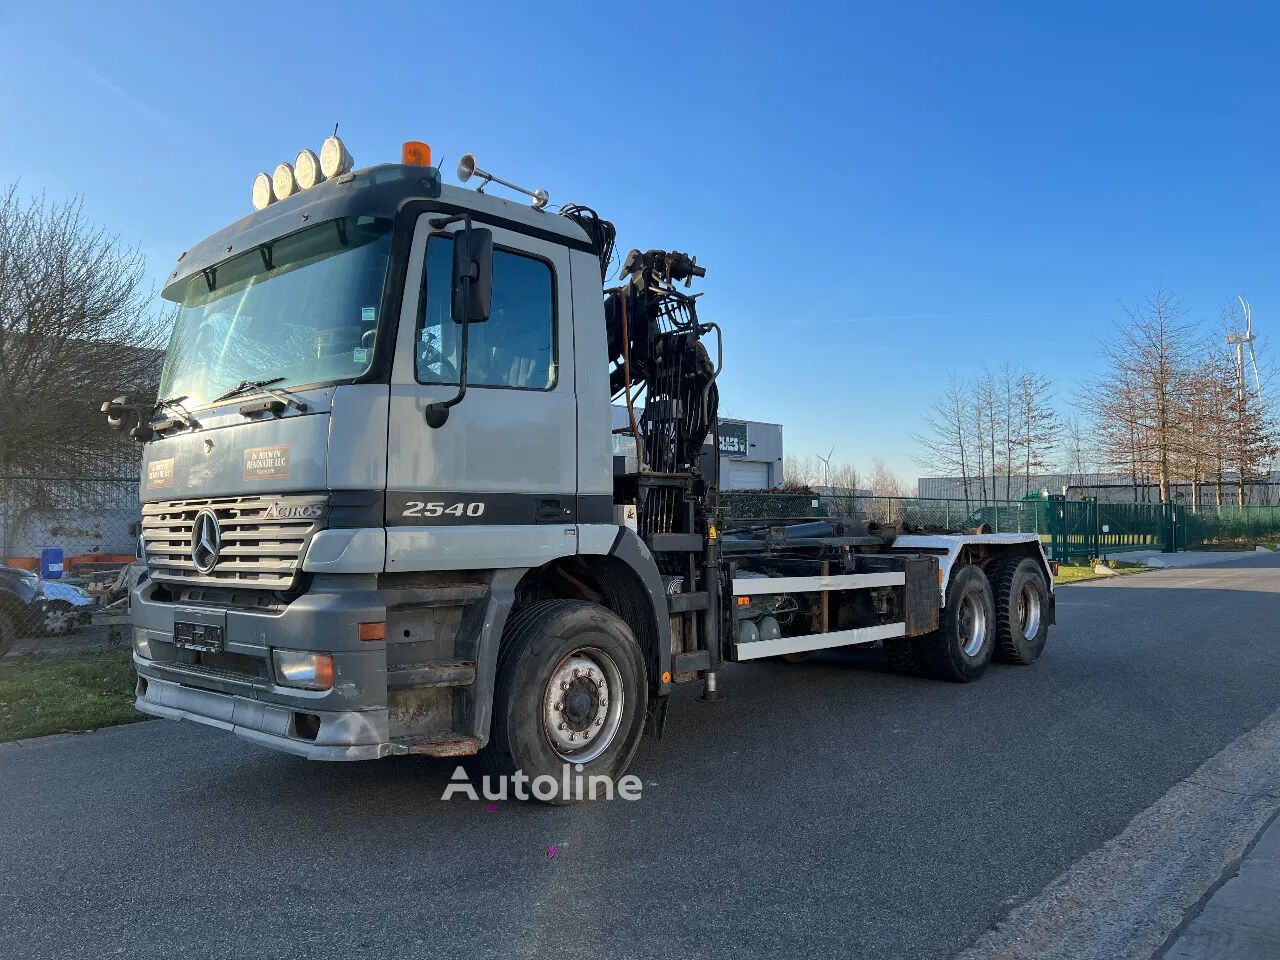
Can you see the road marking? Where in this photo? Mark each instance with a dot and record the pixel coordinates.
(1124, 899)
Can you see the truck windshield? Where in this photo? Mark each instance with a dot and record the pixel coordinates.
(303, 308)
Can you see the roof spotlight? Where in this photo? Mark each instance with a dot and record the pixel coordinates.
(262, 195)
(284, 184)
(306, 169)
(335, 159)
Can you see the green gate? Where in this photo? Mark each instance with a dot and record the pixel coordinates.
(1132, 526)
(1073, 529)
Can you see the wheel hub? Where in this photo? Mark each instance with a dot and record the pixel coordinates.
(1029, 611)
(57, 622)
(973, 626)
(582, 705)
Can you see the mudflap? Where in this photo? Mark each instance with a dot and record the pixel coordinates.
(656, 722)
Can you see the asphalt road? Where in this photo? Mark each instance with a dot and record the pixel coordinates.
(824, 809)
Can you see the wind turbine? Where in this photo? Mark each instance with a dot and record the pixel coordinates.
(1239, 340)
(826, 467)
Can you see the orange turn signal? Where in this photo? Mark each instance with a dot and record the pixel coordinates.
(744, 601)
(324, 671)
(373, 631)
(415, 152)
(666, 676)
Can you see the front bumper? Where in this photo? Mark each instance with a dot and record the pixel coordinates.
(236, 690)
(342, 736)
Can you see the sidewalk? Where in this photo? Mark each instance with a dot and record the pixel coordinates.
(1241, 919)
(1189, 558)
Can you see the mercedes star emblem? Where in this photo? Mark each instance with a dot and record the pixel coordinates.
(206, 540)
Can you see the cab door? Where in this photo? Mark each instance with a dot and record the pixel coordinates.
(494, 486)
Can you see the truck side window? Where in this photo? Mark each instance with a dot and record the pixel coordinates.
(514, 348)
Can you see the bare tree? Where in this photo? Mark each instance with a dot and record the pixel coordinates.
(76, 327)
(996, 416)
(844, 478)
(985, 431)
(1037, 423)
(1247, 420)
(947, 443)
(1145, 388)
(1121, 435)
(1200, 449)
(885, 482)
(801, 473)
(1079, 456)
(1006, 391)
(1217, 381)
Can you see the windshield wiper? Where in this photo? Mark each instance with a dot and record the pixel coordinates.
(181, 415)
(264, 386)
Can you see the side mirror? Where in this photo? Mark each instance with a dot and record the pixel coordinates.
(472, 275)
(120, 412)
(126, 413)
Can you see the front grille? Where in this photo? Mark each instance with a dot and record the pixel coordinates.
(256, 551)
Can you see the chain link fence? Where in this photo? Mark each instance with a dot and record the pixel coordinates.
(1070, 529)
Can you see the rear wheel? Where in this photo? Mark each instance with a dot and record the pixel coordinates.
(571, 689)
(1022, 607)
(961, 648)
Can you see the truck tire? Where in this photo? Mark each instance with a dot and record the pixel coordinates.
(960, 649)
(1022, 605)
(8, 631)
(571, 689)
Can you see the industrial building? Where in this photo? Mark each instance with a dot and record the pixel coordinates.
(750, 451)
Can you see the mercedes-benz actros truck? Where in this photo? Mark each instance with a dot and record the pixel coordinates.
(382, 511)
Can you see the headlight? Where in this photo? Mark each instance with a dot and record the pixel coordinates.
(141, 643)
(308, 671)
(306, 169)
(262, 196)
(283, 183)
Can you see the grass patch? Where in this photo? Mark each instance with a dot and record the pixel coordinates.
(1076, 573)
(57, 692)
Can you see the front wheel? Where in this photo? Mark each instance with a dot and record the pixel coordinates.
(961, 648)
(571, 691)
(59, 619)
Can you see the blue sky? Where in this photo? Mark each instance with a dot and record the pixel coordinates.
(881, 194)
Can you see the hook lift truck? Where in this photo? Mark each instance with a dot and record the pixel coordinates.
(382, 512)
